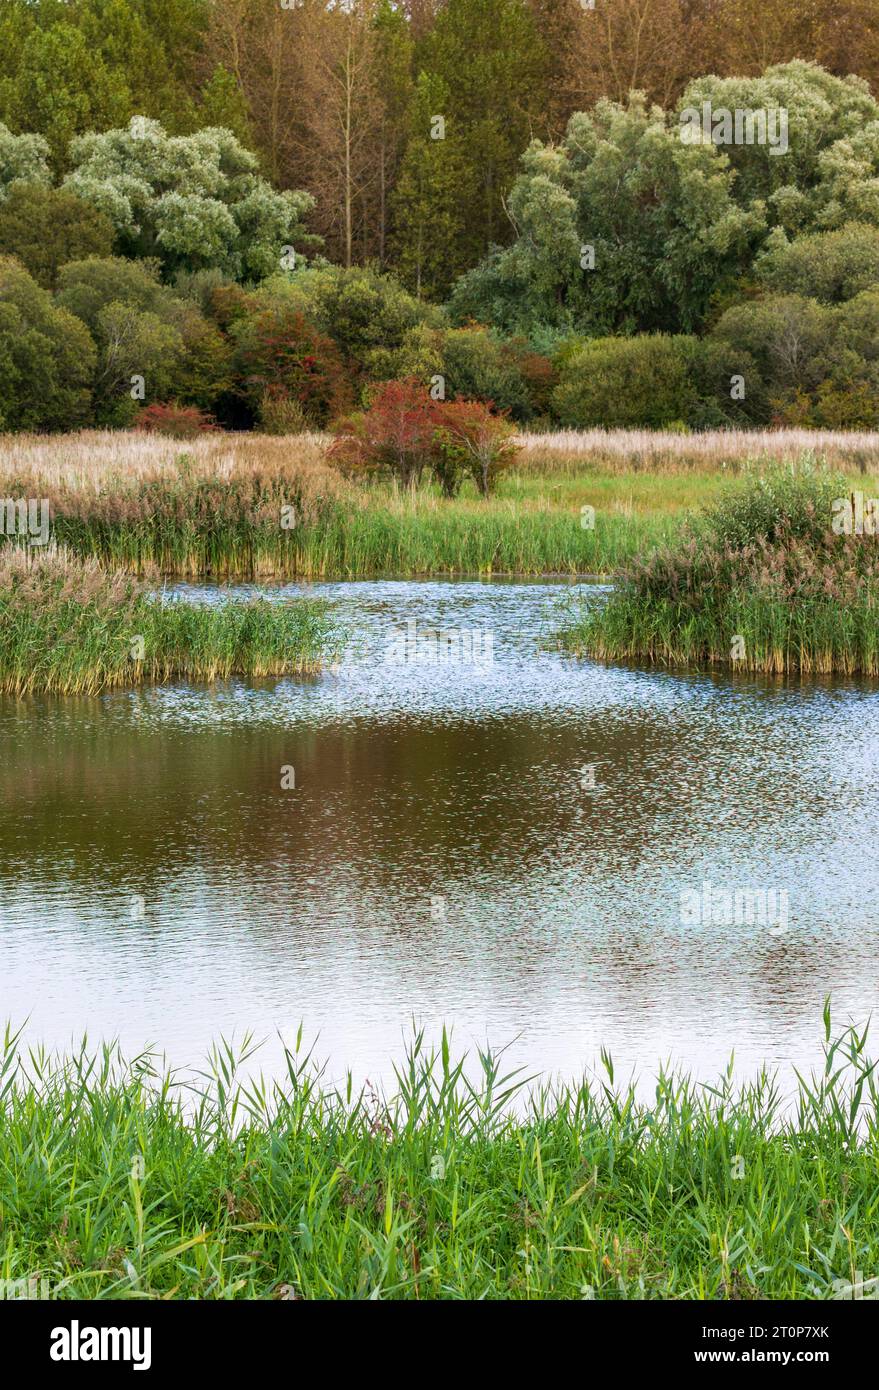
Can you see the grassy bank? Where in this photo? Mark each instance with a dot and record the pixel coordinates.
(67, 625)
(761, 582)
(118, 1182)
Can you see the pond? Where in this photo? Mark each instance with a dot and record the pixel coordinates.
(467, 828)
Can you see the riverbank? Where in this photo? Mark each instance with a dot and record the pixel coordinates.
(118, 1181)
(68, 626)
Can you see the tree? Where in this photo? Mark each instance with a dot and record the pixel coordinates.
(392, 79)
(47, 357)
(23, 158)
(824, 169)
(279, 354)
(431, 195)
(193, 201)
(490, 58)
(366, 313)
(62, 88)
(828, 266)
(46, 227)
(623, 227)
(153, 344)
(341, 115)
(620, 46)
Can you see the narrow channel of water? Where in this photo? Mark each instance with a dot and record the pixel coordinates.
(499, 843)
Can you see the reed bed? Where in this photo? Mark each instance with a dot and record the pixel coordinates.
(69, 626)
(120, 1179)
(762, 583)
(659, 451)
(258, 506)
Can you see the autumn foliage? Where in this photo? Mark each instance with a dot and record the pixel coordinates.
(279, 353)
(176, 421)
(405, 433)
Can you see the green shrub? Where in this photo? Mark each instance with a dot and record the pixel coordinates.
(627, 382)
(47, 227)
(362, 310)
(829, 266)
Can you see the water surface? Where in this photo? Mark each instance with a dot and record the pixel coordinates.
(502, 846)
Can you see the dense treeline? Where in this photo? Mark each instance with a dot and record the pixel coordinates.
(337, 100)
(253, 215)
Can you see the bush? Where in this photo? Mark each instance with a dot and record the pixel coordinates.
(394, 435)
(278, 413)
(278, 351)
(470, 438)
(403, 432)
(176, 421)
(362, 310)
(811, 364)
(46, 227)
(622, 383)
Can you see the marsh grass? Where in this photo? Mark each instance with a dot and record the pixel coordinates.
(215, 508)
(120, 1179)
(259, 506)
(760, 582)
(664, 452)
(69, 626)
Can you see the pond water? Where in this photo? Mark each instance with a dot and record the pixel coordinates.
(506, 839)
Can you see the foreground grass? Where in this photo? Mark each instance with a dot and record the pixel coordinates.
(67, 626)
(762, 582)
(117, 1181)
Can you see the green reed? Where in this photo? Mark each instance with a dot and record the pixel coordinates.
(68, 626)
(761, 583)
(121, 1180)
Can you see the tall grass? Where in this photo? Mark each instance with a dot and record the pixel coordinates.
(119, 1179)
(68, 626)
(260, 506)
(661, 451)
(760, 582)
(251, 506)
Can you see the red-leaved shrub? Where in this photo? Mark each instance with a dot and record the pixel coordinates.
(177, 421)
(470, 438)
(395, 434)
(404, 431)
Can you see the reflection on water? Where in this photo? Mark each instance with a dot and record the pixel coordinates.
(499, 844)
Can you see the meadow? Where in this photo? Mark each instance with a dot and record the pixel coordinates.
(121, 1180)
